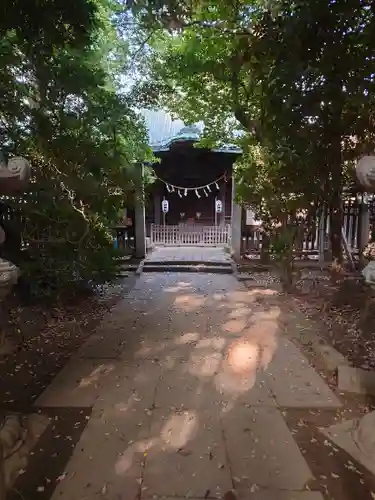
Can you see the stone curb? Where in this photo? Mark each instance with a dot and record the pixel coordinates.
(330, 356)
(349, 378)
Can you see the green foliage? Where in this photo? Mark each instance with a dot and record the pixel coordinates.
(61, 106)
(297, 78)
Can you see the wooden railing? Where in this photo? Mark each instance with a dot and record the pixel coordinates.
(186, 234)
(310, 244)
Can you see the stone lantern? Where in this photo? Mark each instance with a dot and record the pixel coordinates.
(14, 177)
(361, 435)
(365, 171)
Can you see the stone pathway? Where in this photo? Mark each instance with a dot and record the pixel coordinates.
(188, 254)
(188, 380)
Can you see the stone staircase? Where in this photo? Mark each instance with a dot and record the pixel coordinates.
(180, 260)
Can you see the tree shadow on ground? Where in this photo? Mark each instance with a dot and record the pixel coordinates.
(188, 410)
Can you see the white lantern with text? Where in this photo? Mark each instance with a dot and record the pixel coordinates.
(165, 206)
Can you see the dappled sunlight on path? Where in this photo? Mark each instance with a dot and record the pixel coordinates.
(189, 405)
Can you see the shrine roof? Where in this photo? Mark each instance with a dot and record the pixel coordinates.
(163, 131)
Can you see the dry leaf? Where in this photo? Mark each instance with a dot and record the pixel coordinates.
(184, 453)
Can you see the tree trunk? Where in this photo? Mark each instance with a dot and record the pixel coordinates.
(335, 161)
(265, 250)
(335, 227)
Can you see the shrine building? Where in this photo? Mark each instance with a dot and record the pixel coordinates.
(192, 200)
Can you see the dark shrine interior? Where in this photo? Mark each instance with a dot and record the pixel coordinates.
(188, 167)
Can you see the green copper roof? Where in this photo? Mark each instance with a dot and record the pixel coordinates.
(163, 131)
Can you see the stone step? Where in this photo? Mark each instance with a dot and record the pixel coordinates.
(126, 268)
(129, 267)
(219, 263)
(186, 268)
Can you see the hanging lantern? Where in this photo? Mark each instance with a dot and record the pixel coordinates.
(179, 194)
(217, 186)
(185, 192)
(168, 188)
(196, 192)
(205, 192)
(208, 188)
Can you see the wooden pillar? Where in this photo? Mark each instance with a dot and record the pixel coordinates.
(140, 218)
(223, 189)
(157, 205)
(236, 224)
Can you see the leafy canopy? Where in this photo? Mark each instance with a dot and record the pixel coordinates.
(62, 107)
(297, 78)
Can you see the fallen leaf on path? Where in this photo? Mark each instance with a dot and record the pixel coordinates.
(184, 453)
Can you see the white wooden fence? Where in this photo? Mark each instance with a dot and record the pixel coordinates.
(311, 243)
(190, 235)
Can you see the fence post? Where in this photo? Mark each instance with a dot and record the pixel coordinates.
(321, 235)
(364, 226)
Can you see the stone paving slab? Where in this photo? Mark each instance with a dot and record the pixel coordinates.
(188, 458)
(207, 381)
(261, 495)
(357, 380)
(282, 495)
(179, 388)
(129, 389)
(234, 390)
(295, 383)
(100, 347)
(189, 254)
(78, 384)
(107, 461)
(359, 445)
(262, 451)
